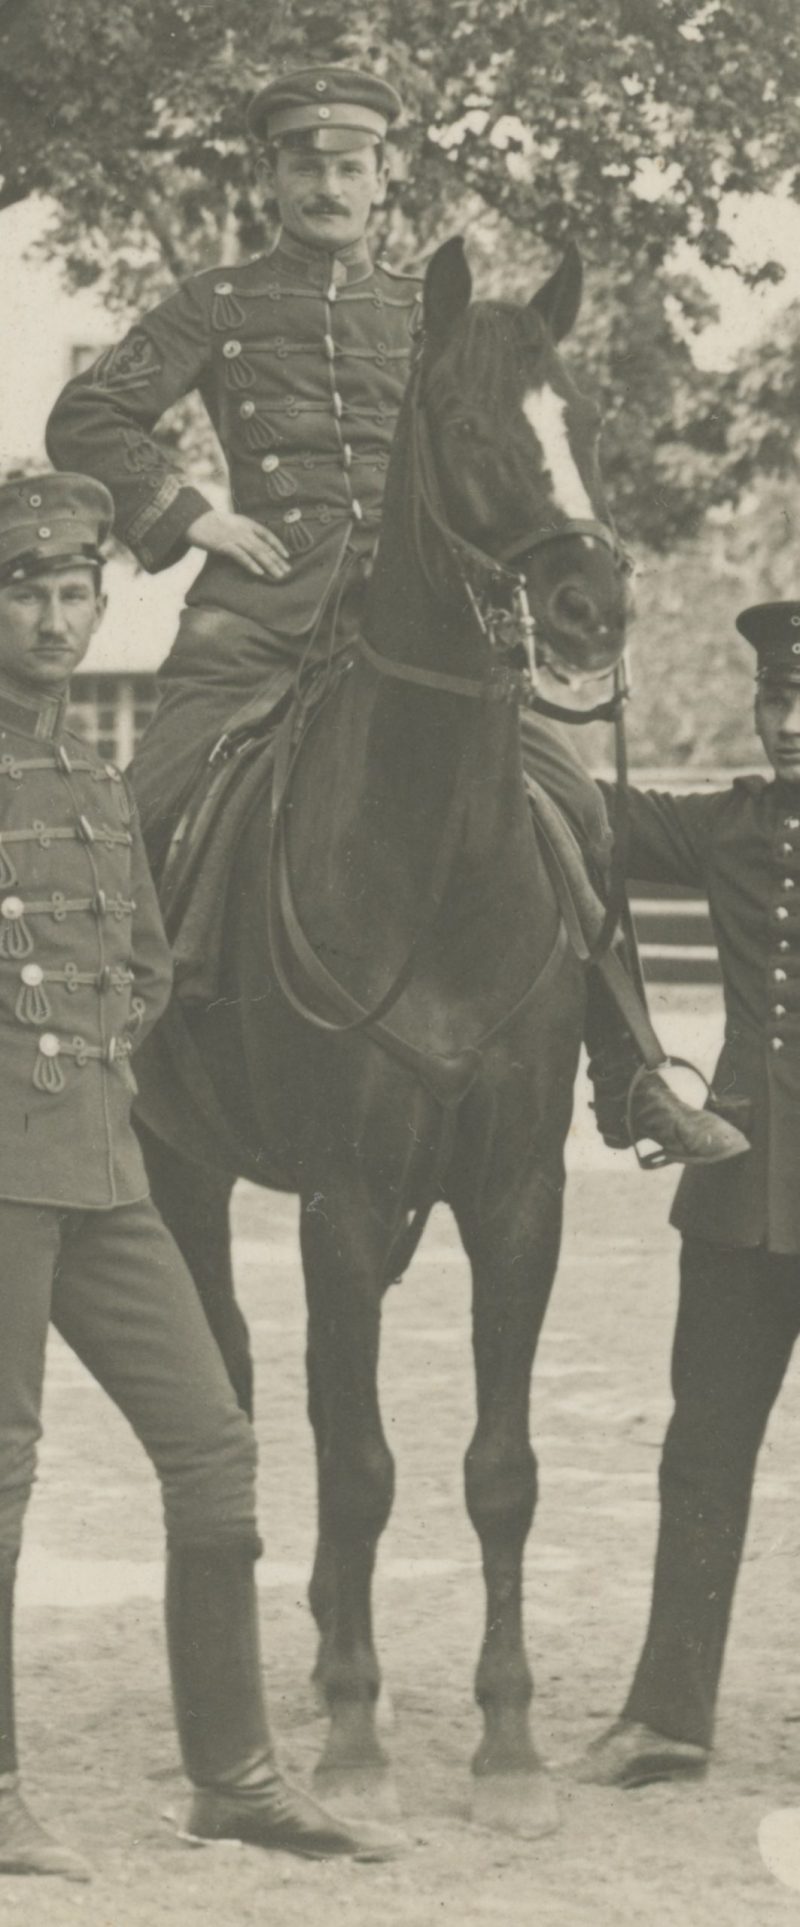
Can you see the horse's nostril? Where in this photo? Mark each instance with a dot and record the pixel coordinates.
(573, 606)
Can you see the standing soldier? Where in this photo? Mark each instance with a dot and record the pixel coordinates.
(84, 973)
(739, 1310)
(301, 357)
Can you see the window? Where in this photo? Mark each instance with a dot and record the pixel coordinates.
(111, 712)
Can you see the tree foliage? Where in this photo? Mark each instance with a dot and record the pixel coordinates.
(627, 124)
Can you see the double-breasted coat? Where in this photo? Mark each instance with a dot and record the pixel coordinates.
(742, 848)
(84, 965)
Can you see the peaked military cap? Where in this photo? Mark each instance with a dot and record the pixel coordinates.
(52, 521)
(773, 628)
(330, 108)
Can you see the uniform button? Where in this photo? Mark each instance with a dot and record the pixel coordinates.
(791, 822)
(293, 515)
(784, 944)
(44, 534)
(63, 761)
(270, 463)
(330, 293)
(357, 511)
(247, 409)
(231, 349)
(779, 976)
(223, 287)
(347, 454)
(781, 913)
(788, 883)
(330, 346)
(32, 974)
(324, 113)
(776, 1043)
(320, 86)
(49, 1044)
(779, 1010)
(12, 907)
(100, 904)
(85, 831)
(35, 501)
(111, 1050)
(337, 405)
(786, 849)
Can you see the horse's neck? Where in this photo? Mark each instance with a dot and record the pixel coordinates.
(404, 779)
(402, 775)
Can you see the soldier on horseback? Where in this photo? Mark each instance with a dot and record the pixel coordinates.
(302, 358)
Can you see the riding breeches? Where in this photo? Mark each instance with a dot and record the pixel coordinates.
(116, 1288)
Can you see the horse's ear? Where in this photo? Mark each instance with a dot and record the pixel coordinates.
(447, 289)
(559, 299)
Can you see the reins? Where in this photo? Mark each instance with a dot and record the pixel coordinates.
(504, 630)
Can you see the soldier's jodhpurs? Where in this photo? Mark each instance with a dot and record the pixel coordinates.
(738, 1318)
(116, 1288)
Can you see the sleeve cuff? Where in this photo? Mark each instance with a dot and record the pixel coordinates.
(157, 535)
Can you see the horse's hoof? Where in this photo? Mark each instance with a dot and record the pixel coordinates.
(520, 1803)
(358, 1794)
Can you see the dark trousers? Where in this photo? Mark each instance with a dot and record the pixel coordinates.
(738, 1318)
(116, 1288)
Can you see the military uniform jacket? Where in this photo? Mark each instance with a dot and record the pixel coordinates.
(84, 965)
(742, 848)
(301, 358)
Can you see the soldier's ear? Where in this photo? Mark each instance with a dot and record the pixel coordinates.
(558, 301)
(447, 289)
(265, 175)
(382, 183)
(101, 605)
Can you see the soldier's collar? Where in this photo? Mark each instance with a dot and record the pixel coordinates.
(39, 716)
(321, 266)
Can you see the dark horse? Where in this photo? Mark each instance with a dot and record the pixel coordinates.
(401, 1014)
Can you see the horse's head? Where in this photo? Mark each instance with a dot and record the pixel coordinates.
(514, 444)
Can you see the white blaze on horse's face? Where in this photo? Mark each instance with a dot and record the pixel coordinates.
(545, 412)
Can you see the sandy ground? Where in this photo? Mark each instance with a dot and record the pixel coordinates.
(95, 1729)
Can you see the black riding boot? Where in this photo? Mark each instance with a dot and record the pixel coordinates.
(240, 1793)
(632, 1102)
(25, 1846)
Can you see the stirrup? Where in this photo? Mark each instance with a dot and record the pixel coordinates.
(656, 1160)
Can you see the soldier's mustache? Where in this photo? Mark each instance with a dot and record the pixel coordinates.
(326, 207)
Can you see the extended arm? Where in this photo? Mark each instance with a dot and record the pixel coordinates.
(669, 835)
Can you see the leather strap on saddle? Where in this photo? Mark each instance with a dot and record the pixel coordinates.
(584, 917)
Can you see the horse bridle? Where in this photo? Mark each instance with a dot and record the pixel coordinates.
(479, 572)
(505, 630)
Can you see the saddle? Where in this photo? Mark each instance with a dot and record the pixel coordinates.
(238, 774)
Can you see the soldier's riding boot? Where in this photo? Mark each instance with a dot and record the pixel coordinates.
(25, 1846)
(633, 1101)
(239, 1790)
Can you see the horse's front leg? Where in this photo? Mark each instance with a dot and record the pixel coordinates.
(343, 1247)
(513, 1260)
